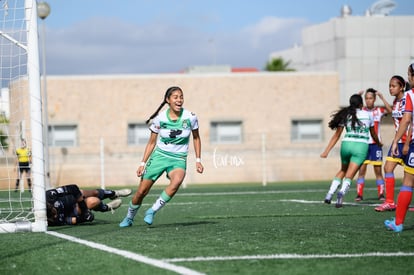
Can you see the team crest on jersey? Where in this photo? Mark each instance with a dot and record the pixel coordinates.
(185, 124)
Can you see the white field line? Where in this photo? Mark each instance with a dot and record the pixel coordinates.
(229, 193)
(291, 256)
(165, 263)
(320, 202)
(127, 254)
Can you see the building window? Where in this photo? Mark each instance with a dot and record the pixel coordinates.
(307, 130)
(138, 134)
(63, 135)
(226, 132)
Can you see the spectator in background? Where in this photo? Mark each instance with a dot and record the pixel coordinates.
(23, 162)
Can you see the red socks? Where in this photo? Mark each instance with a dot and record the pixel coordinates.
(403, 202)
(389, 187)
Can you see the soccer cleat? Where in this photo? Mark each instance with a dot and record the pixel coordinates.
(328, 198)
(121, 193)
(114, 204)
(359, 198)
(381, 197)
(339, 200)
(390, 225)
(386, 206)
(126, 222)
(149, 216)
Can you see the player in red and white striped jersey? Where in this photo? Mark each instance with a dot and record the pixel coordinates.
(374, 156)
(397, 87)
(406, 191)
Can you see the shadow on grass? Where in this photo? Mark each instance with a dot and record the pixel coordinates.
(183, 224)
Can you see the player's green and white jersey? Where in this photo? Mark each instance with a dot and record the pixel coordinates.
(174, 136)
(361, 132)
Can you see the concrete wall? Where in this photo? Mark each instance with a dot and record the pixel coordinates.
(266, 103)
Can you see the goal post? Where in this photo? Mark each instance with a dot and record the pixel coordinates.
(19, 61)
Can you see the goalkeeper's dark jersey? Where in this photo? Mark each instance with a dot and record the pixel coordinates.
(64, 200)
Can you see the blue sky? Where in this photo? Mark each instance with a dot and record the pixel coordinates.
(162, 36)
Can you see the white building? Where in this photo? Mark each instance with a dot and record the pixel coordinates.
(365, 50)
(5, 102)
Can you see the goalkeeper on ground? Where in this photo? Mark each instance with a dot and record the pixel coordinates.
(69, 205)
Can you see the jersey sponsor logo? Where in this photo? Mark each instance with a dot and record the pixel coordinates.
(175, 133)
(163, 125)
(411, 159)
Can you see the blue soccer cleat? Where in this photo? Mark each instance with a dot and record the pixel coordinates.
(126, 222)
(149, 216)
(339, 200)
(390, 225)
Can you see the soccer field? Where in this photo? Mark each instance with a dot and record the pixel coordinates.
(282, 228)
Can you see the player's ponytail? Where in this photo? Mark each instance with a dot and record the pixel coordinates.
(166, 96)
(355, 102)
(156, 112)
(341, 116)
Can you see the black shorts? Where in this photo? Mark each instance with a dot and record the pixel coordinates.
(24, 167)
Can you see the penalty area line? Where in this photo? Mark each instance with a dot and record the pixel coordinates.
(127, 254)
(291, 256)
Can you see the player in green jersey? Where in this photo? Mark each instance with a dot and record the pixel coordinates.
(359, 124)
(166, 151)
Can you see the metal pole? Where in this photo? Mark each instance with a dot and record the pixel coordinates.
(264, 170)
(43, 11)
(45, 112)
(102, 150)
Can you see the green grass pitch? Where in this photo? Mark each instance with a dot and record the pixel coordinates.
(281, 228)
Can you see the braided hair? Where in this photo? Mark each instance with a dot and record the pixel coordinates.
(166, 96)
(341, 116)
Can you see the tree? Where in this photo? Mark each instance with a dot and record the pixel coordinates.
(277, 65)
(3, 138)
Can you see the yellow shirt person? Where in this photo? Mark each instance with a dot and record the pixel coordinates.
(24, 158)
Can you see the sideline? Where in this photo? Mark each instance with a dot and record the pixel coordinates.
(291, 256)
(127, 254)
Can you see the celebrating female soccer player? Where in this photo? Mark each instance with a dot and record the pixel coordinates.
(374, 155)
(359, 125)
(169, 154)
(406, 191)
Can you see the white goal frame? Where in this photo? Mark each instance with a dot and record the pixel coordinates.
(39, 224)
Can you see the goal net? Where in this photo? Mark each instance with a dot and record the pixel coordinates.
(22, 208)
